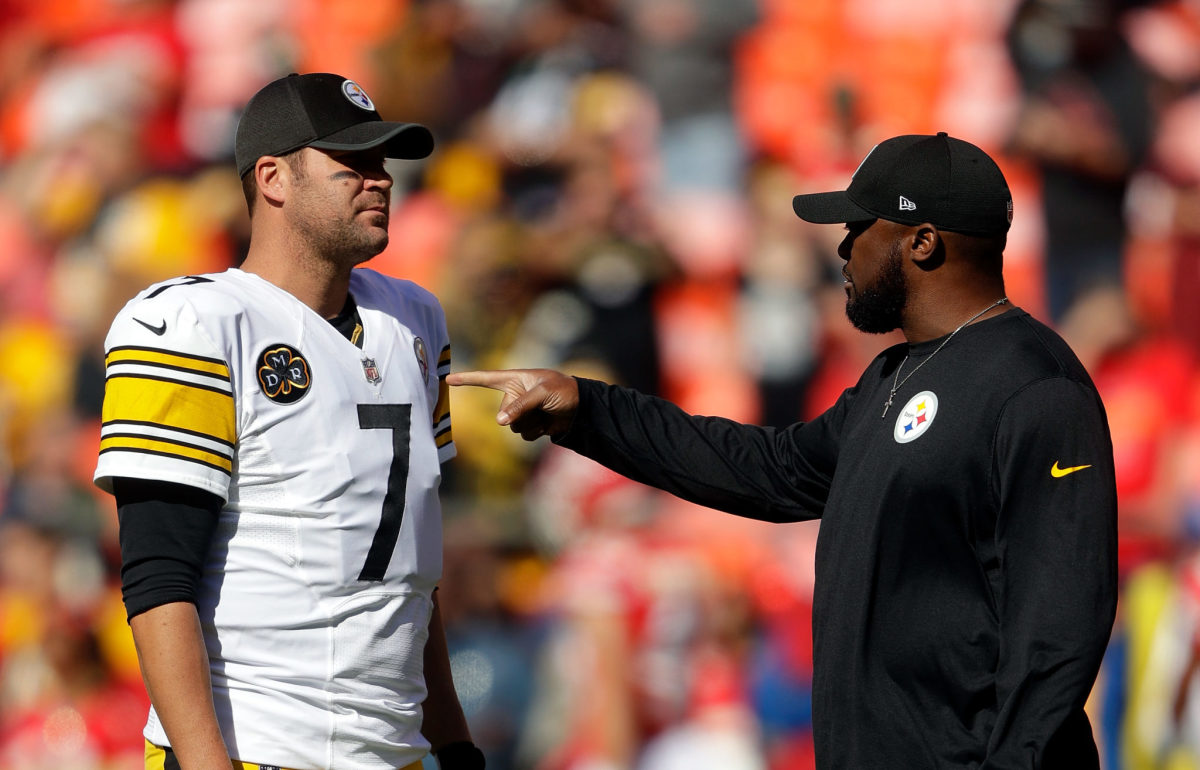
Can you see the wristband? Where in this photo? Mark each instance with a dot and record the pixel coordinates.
(460, 755)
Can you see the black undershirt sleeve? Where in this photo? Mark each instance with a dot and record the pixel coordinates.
(165, 533)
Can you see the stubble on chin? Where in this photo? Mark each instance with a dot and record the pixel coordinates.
(350, 243)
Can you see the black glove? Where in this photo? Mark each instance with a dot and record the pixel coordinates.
(461, 755)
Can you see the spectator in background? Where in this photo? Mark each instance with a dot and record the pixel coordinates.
(68, 693)
(780, 310)
(1171, 218)
(682, 51)
(1086, 122)
(645, 663)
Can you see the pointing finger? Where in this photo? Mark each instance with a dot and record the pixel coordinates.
(507, 382)
(494, 379)
(543, 398)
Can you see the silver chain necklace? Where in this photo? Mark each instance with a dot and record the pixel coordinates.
(897, 383)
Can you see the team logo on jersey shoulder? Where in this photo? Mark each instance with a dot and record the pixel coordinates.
(283, 374)
(422, 357)
(371, 370)
(916, 417)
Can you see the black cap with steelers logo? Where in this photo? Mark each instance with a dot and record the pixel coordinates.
(321, 110)
(914, 179)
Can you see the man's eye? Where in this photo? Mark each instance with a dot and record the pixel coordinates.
(366, 165)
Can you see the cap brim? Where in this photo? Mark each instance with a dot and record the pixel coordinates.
(829, 208)
(410, 141)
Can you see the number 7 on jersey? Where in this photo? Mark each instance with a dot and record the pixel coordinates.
(398, 419)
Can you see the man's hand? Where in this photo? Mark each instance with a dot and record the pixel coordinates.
(537, 402)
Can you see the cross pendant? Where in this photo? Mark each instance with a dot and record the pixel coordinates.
(886, 407)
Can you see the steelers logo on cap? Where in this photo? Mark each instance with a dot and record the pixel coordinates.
(357, 96)
(916, 417)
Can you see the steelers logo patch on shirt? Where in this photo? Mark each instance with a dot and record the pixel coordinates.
(916, 417)
(422, 357)
(283, 374)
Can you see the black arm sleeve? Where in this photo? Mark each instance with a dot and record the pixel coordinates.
(757, 472)
(165, 532)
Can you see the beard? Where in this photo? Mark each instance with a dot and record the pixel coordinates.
(344, 241)
(878, 309)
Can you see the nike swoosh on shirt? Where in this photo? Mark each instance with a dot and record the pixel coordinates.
(159, 330)
(1058, 473)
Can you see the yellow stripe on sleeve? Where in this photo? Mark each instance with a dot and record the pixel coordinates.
(168, 359)
(171, 405)
(442, 408)
(163, 447)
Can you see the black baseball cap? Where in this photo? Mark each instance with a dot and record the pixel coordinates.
(917, 178)
(321, 110)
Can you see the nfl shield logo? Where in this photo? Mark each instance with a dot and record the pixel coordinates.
(371, 371)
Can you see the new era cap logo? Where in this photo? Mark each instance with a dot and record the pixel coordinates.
(906, 204)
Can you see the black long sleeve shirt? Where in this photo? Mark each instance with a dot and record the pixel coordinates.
(966, 563)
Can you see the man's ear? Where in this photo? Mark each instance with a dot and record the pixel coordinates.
(928, 250)
(271, 175)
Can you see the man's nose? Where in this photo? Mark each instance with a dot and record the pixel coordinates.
(381, 179)
(845, 246)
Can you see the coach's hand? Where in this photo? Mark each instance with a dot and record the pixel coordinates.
(537, 402)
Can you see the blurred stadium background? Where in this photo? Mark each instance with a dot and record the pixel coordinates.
(610, 195)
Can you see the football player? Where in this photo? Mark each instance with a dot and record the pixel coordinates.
(274, 435)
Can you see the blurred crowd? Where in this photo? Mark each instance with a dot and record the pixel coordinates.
(611, 195)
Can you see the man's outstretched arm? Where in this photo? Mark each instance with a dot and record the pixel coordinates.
(748, 470)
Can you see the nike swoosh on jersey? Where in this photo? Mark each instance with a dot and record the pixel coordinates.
(160, 330)
(1058, 473)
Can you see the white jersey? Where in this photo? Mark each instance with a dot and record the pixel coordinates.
(316, 595)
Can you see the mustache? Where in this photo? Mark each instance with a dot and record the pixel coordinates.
(376, 201)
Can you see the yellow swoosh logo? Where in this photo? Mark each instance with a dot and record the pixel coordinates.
(1058, 473)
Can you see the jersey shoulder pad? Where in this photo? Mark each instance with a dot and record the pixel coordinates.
(169, 407)
(164, 316)
(386, 288)
(410, 303)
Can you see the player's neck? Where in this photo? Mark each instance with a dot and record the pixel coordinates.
(319, 284)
